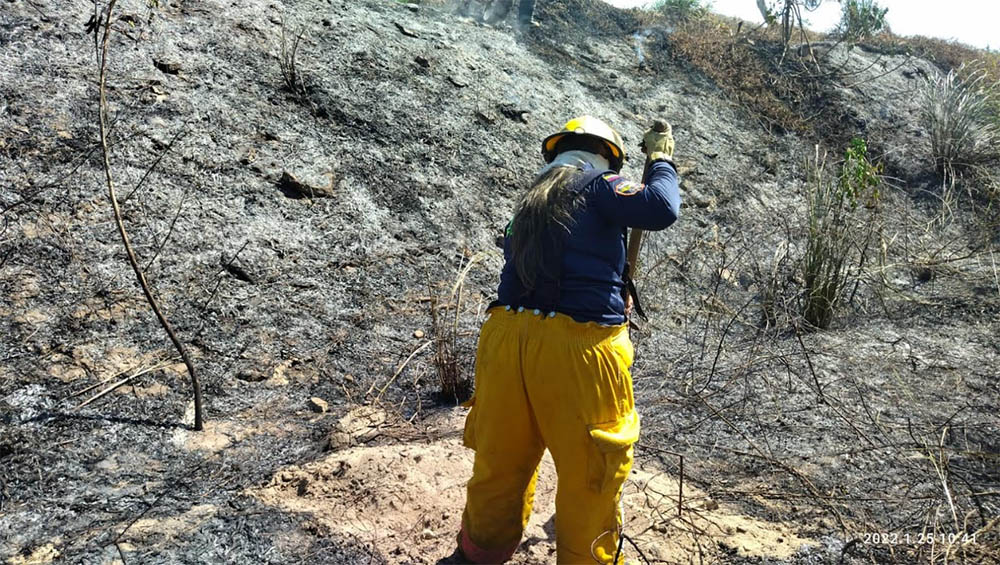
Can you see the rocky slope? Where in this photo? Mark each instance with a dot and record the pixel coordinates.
(299, 239)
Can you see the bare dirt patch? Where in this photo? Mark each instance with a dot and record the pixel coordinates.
(406, 501)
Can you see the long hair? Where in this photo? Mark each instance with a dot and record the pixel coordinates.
(544, 211)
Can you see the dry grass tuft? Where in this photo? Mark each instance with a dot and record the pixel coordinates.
(453, 347)
(951, 55)
(745, 66)
(959, 111)
(287, 60)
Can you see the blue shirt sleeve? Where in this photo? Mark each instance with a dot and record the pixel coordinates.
(651, 206)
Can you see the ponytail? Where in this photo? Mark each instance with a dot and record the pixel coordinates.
(545, 210)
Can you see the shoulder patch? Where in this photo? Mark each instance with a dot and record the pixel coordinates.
(628, 188)
(622, 186)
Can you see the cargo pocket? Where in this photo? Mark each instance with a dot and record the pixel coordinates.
(469, 435)
(611, 456)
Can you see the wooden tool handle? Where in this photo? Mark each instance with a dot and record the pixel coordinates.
(632, 254)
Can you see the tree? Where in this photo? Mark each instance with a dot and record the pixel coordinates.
(681, 9)
(861, 19)
(789, 12)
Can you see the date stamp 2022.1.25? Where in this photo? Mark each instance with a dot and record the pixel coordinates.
(918, 538)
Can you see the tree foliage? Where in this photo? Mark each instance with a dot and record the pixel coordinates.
(786, 12)
(861, 19)
(682, 9)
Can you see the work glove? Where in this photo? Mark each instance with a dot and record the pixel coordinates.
(658, 142)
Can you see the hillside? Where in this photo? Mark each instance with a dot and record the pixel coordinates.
(299, 239)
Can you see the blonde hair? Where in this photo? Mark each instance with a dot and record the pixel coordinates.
(545, 210)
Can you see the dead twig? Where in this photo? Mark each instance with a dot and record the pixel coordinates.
(132, 259)
(680, 481)
(996, 277)
(759, 454)
(402, 366)
(142, 514)
(226, 265)
(170, 231)
(812, 370)
(45, 17)
(105, 381)
(118, 384)
(170, 144)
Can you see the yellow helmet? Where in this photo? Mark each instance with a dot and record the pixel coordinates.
(591, 127)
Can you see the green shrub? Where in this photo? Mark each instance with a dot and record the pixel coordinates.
(861, 19)
(842, 219)
(681, 9)
(960, 113)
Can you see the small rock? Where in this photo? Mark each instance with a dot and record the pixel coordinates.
(237, 271)
(484, 118)
(685, 168)
(422, 61)
(168, 67)
(342, 467)
(359, 426)
(292, 187)
(108, 464)
(694, 197)
(427, 534)
(327, 22)
(318, 405)
(348, 378)
(337, 440)
(418, 334)
(413, 7)
(514, 113)
(711, 505)
(303, 487)
(251, 376)
(405, 31)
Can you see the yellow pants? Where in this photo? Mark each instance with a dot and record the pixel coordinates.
(549, 382)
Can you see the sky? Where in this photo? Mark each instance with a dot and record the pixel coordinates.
(975, 22)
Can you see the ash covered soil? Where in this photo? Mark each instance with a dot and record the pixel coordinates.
(299, 239)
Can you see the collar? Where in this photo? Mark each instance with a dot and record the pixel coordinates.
(576, 158)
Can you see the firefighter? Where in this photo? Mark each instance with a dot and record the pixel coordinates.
(553, 359)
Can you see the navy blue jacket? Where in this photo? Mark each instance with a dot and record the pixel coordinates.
(593, 253)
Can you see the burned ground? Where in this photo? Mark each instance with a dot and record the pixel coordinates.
(411, 136)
